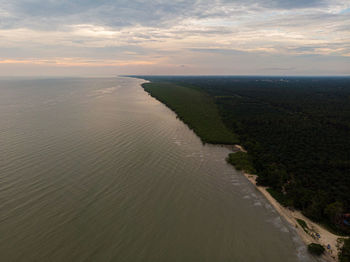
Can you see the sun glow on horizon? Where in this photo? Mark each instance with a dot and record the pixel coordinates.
(183, 37)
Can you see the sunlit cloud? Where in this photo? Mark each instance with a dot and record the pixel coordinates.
(71, 62)
(179, 36)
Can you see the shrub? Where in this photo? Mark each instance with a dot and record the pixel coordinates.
(344, 255)
(303, 224)
(315, 249)
(241, 161)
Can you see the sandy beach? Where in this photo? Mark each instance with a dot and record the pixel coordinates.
(326, 238)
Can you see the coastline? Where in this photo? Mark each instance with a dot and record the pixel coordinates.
(291, 217)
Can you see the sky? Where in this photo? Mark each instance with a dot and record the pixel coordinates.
(178, 37)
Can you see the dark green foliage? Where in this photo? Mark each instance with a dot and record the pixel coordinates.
(279, 196)
(274, 176)
(297, 133)
(316, 206)
(344, 255)
(315, 249)
(196, 109)
(334, 211)
(241, 161)
(303, 224)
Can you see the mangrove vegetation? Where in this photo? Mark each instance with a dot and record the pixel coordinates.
(196, 108)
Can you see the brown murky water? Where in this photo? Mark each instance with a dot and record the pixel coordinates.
(97, 170)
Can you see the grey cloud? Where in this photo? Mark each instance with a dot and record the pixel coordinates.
(295, 4)
(217, 51)
(285, 4)
(302, 20)
(120, 13)
(39, 13)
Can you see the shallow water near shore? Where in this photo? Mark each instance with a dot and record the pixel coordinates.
(97, 170)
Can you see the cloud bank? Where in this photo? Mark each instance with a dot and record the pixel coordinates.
(175, 37)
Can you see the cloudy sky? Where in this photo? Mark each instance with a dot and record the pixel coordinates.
(230, 37)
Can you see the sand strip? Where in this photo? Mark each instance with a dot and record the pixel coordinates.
(326, 237)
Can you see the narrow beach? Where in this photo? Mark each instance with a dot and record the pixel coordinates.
(291, 216)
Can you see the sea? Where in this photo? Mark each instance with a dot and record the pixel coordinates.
(94, 169)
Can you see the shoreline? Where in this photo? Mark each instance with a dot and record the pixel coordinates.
(291, 217)
(326, 237)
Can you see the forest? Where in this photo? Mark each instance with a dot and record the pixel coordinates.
(297, 134)
(196, 109)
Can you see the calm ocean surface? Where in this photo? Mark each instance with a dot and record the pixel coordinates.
(97, 170)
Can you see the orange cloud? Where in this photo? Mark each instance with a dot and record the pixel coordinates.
(75, 62)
